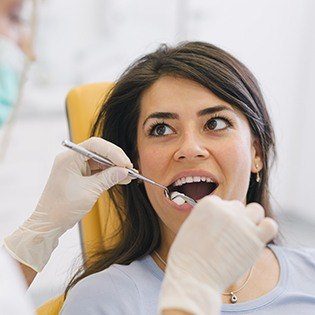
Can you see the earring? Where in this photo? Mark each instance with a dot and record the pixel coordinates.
(257, 174)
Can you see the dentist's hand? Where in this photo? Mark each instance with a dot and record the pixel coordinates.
(74, 185)
(218, 242)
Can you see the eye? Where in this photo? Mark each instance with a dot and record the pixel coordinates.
(159, 130)
(218, 123)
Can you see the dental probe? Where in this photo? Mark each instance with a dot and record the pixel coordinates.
(132, 172)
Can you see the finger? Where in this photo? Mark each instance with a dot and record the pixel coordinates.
(210, 199)
(236, 206)
(208, 202)
(107, 150)
(96, 166)
(235, 202)
(125, 181)
(112, 176)
(209, 207)
(255, 212)
(267, 229)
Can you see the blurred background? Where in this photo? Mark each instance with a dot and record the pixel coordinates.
(82, 41)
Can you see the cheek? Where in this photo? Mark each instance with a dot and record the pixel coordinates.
(234, 160)
(155, 163)
(152, 162)
(234, 155)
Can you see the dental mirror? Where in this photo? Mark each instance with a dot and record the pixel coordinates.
(180, 198)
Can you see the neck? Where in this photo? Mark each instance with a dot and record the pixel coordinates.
(168, 238)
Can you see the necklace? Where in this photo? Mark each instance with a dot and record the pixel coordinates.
(233, 297)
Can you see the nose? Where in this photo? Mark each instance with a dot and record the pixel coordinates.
(191, 148)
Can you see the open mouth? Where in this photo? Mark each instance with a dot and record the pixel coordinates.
(194, 187)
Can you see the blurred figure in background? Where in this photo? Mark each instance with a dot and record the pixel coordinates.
(15, 49)
(15, 46)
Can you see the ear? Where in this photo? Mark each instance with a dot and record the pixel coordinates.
(256, 154)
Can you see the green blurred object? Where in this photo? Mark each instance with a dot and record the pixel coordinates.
(11, 68)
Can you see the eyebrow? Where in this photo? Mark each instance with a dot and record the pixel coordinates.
(203, 112)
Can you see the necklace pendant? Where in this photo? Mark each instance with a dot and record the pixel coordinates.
(233, 298)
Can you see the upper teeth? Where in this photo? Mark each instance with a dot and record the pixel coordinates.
(191, 179)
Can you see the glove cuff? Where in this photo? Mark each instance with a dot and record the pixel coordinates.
(33, 249)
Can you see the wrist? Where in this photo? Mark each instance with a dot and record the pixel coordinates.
(32, 247)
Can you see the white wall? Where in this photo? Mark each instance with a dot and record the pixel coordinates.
(83, 41)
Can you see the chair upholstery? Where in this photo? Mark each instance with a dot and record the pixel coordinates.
(97, 227)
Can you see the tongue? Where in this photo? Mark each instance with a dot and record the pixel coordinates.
(196, 190)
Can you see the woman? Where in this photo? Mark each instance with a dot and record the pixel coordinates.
(191, 113)
(66, 198)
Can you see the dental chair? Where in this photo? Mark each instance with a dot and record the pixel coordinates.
(99, 225)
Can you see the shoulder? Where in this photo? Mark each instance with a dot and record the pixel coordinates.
(110, 291)
(305, 255)
(116, 290)
(298, 265)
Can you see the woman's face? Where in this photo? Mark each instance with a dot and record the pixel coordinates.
(186, 133)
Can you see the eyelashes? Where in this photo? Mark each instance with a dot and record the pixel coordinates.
(161, 126)
(154, 126)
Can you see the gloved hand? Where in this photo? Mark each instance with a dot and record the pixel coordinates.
(74, 185)
(218, 242)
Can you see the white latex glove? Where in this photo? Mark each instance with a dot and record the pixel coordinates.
(70, 193)
(218, 242)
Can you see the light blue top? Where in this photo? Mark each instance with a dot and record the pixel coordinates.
(134, 289)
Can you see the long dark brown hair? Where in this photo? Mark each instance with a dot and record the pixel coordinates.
(117, 121)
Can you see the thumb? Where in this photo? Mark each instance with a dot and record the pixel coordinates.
(112, 176)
